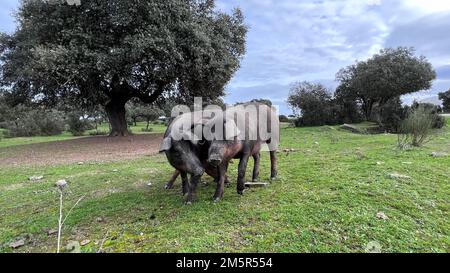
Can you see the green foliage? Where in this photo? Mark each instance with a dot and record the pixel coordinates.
(389, 74)
(77, 124)
(390, 115)
(107, 52)
(283, 118)
(263, 101)
(26, 121)
(416, 129)
(445, 97)
(318, 107)
(313, 101)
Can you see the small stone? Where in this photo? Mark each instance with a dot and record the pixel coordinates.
(256, 184)
(398, 176)
(115, 170)
(436, 154)
(149, 184)
(286, 150)
(100, 219)
(61, 184)
(85, 242)
(52, 231)
(317, 143)
(373, 247)
(35, 177)
(80, 163)
(382, 216)
(292, 150)
(380, 163)
(17, 244)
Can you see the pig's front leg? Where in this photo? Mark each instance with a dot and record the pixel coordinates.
(172, 180)
(221, 171)
(241, 174)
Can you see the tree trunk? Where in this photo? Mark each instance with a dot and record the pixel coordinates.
(116, 115)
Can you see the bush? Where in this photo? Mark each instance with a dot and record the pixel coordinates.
(38, 122)
(391, 115)
(77, 126)
(283, 118)
(416, 129)
(438, 120)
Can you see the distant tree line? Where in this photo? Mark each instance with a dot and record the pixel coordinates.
(368, 91)
(445, 97)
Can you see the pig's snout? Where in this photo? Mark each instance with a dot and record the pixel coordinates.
(214, 161)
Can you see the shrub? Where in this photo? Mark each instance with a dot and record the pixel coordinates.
(390, 115)
(283, 118)
(77, 125)
(34, 122)
(416, 129)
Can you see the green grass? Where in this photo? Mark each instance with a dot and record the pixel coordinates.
(7, 142)
(325, 200)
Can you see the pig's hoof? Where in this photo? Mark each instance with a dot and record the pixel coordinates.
(240, 192)
(216, 199)
(168, 186)
(188, 203)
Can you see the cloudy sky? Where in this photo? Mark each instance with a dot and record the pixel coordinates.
(298, 40)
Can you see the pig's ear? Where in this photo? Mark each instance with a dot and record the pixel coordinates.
(165, 145)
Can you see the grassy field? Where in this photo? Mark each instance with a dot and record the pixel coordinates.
(7, 142)
(326, 199)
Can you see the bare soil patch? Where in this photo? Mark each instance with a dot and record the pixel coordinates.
(98, 149)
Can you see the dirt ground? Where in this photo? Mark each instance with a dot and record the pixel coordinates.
(99, 149)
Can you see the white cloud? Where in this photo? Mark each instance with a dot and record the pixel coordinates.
(428, 6)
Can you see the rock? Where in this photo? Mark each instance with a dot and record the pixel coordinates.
(398, 176)
(351, 128)
(85, 242)
(380, 163)
(382, 216)
(115, 170)
(35, 177)
(256, 184)
(292, 150)
(73, 247)
(149, 184)
(437, 154)
(286, 150)
(100, 219)
(80, 163)
(52, 231)
(373, 247)
(17, 244)
(61, 184)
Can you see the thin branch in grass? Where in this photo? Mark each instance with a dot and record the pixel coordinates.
(61, 184)
(67, 215)
(103, 242)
